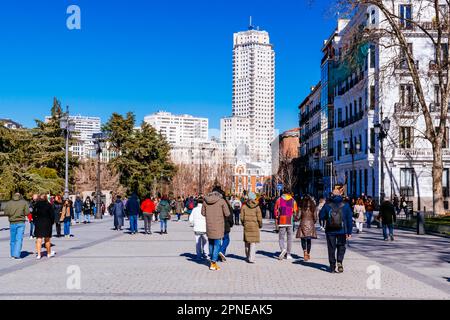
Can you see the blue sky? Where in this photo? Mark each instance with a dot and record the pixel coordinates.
(145, 55)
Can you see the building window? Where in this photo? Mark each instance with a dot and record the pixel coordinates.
(372, 56)
(372, 140)
(445, 183)
(406, 16)
(406, 137)
(407, 97)
(372, 97)
(407, 182)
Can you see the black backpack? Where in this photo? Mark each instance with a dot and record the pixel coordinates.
(335, 217)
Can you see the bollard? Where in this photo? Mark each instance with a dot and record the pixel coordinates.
(420, 223)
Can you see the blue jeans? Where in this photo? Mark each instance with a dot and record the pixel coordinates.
(78, 217)
(369, 216)
(67, 226)
(163, 223)
(17, 231)
(387, 227)
(87, 218)
(31, 229)
(133, 223)
(214, 247)
(225, 243)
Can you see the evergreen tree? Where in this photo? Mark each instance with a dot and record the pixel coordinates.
(144, 155)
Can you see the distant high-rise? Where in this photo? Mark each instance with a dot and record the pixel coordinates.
(179, 130)
(254, 89)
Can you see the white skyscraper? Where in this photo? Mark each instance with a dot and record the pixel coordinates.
(179, 130)
(85, 127)
(254, 89)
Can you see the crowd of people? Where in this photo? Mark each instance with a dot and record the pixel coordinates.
(212, 217)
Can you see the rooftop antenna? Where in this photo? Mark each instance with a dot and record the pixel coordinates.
(251, 24)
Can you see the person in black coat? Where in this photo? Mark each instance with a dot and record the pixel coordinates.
(388, 218)
(43, 218)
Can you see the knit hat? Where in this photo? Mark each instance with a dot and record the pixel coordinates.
(252, 196)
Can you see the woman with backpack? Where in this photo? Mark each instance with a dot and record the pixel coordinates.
(164, 213)
(307, 229)
(179, 208)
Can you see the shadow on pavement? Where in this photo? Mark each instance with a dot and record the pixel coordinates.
(318, 266)
(236, 257)
(25, 254)
(193, 258)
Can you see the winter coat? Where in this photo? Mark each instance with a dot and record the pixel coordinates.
(251, 218)
(197, 220)
(43, 218)
(65, 213)
(347, 218)
(387, 213)
(164, 210)
(308, 220)
(229, 221)
(215, 209)
(88, 207)
(359, 213)
(118, 211)
(148, 206)
(133, 207)
(57, 212)
(179, 206)
(16, 210)
(78, 205)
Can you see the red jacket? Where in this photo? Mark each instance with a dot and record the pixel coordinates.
(148, 206)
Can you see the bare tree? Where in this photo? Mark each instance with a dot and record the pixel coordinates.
(431, 20)
(287, 172)
(86, 178)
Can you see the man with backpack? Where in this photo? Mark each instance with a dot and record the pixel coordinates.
(236, 204)
(337, 215)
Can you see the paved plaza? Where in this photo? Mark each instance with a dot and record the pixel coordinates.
(116, 265)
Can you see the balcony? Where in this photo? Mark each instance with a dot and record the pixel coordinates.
(403, 65)
(402, 108)
(436, 107)
(351, 120)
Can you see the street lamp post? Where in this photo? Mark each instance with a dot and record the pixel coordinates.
(67, 126)
(382, 130)
(99, 142)
(353, 149)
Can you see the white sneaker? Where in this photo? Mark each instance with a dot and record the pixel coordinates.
(38, 257)
(52, 254)
(31, 238)
(289, 257)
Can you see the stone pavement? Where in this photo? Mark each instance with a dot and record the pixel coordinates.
(116, 265)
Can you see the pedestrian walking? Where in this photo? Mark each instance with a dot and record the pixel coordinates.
(78, 209)
(322, 202)
(31, 208)
(251, 218)
(133, 210)
(179, 208)
(57, 212)
(118, 212)
(236, 204)
(164, 213)
(285, 208)
(229, 223)
(215, 209)
(338, 228)
(88, 210)
(369, 206)
(43, 217)
(16, 210)
(359, 212)
(198, 222)
(388, 218)
(66, 217)
(307, 229)
(148, 209)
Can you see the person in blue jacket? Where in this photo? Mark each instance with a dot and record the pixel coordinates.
(133, 209)
(337, 215)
